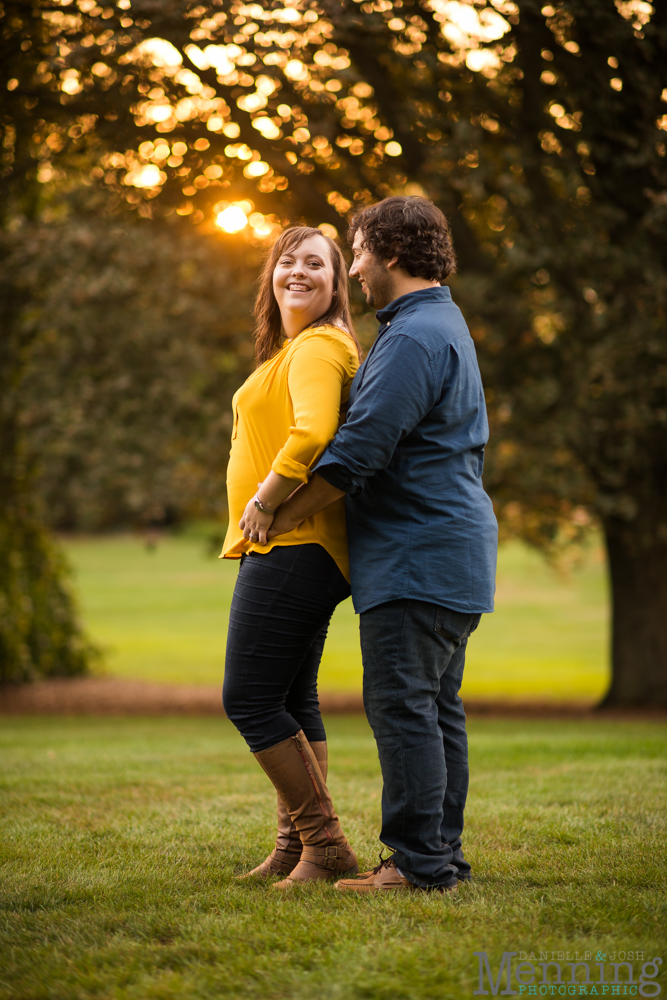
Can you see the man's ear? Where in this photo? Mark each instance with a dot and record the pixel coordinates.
(393, 262)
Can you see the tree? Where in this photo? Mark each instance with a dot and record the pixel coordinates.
(132, 338)
(539, 129)
(122, 342)
(142, 339)
(39, 628)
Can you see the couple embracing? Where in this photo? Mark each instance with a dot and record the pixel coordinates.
(370, 482)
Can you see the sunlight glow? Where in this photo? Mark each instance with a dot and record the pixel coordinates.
(295, 70)
(147, 176)
(261, 226)
(252, 102)
(637, 11)
(256, 169)
(232, 219)
(468, 30)
(240, 216)
(480, 59)
(196, 56)
(157, 112)
(160, 52)
(238, 149)
(218, 56)
(267, 127)
(265, 85)
(70, 82)
(288, 15)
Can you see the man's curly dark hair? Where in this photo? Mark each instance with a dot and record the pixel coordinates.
(412, 229)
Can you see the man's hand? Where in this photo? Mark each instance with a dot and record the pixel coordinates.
(309, 499)
(283, 522)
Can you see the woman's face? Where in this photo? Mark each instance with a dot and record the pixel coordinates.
(303, 284)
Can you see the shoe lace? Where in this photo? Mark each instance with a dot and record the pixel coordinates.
(383, 862)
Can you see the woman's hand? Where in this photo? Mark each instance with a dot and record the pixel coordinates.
(254, 524)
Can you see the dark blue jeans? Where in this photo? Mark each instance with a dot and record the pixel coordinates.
(414, 654)
(283, 602)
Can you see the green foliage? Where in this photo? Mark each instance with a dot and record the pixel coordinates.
(121, 839)
(540, 130)
(140, 337)
(122, 345)
(39, 630)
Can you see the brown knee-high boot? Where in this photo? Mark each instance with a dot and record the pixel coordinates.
(286, 855)
(296, 776)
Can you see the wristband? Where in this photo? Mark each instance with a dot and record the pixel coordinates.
(260, 506)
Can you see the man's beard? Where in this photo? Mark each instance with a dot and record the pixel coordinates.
(379, 286)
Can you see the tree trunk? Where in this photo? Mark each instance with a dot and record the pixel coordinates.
(638, 572)
(40, 634)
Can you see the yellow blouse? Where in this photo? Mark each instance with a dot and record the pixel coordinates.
(285, 415)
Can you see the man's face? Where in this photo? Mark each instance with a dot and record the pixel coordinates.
(373, 274)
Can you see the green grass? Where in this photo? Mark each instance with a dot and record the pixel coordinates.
(162, 615)
(120, 839)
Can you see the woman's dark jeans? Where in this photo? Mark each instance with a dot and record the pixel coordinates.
(283, 602)
(414, 654)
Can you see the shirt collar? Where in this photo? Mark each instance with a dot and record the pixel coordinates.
(438, 294)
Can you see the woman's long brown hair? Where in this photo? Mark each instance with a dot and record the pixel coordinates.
(268, 329)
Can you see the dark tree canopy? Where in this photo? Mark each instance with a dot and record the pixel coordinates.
(141, 340)
(539, 129)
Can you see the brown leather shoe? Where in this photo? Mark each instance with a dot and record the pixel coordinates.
(385, 876)
(286, 855)
(296, 776)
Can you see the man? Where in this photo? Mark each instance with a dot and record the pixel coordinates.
(422, 534)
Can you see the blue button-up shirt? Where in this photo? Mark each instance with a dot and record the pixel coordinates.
(410, 457)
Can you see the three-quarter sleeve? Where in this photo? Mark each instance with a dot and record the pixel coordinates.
(318, 370)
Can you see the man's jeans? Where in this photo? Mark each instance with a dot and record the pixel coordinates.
(414, 654)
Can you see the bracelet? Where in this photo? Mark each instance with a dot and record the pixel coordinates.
(260, 506)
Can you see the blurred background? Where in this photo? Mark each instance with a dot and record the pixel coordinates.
(151, 152)
(161, 616)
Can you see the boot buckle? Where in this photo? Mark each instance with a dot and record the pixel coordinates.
(330, 857)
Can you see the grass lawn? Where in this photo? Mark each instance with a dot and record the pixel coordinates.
(120, 839)
(162, 616)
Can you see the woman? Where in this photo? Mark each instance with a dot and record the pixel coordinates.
(285, 414)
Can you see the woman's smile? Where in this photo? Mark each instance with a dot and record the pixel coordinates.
(303, 284)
